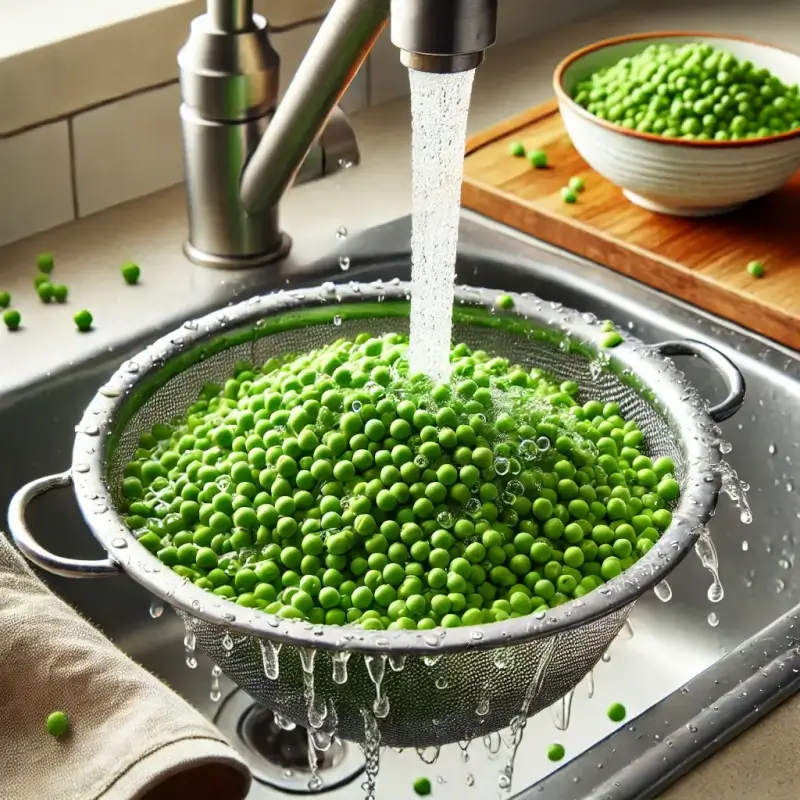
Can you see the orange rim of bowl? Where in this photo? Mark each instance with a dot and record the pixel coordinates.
(563, 96)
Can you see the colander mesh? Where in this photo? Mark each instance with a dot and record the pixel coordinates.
(461, 695)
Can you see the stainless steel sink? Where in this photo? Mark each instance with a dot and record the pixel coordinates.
(682, 672)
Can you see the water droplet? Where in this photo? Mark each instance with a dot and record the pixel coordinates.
(745, 545)
(156, 609)
(501, 466)
(356, 406)
(421, 461)
(328, 287)
(543, 444)
(663, 591)
(215, 694)
(773, 448)
(270, 652)
(442, 683)
(472, 506)
(339, 661)
(397, 662)
(713, 620)
(337, 320)
(341, 233)
(344, 263)
(345, 163)
(227, 642)
(445, 519)
(119, 543)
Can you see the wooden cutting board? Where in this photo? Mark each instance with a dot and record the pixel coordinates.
(702, 261)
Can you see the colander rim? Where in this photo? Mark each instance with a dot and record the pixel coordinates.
(679, 400)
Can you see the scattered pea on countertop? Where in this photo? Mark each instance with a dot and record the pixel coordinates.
(57, 724)
(538, 158)
(568, 195)
(45, 291)
(83, 320)
(12, 319)
(131, 273)
(5, 299)
(45, 262)
(60, 292)
(516, 149)
(756, 269)
(577, 184)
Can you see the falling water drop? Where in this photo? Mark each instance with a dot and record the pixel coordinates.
(227, 642)
(316, 708)
(269, 656)
(397, 662)
(156, 609)
(215, 694)
(713, 620)
(341, 233)
(561, 711)
(344, 263)
(189, 644)
(376, 668)
(339, 662)
(372, 750)
(337, 320)
(663, 591)
(428, 755)
(708, 557)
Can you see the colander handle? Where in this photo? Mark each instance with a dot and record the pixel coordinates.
(734, 379)
(33, 551)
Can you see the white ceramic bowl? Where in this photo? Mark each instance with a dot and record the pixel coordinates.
(676, 176)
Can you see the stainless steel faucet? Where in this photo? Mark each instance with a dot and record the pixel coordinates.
(242, 150)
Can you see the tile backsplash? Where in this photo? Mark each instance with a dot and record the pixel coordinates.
(131, 146)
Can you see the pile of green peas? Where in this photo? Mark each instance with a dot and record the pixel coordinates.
(691, 91)
(338, 488)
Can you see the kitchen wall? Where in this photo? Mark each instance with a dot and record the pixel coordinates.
(91, 120)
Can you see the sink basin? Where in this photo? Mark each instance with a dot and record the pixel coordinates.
(681, 666)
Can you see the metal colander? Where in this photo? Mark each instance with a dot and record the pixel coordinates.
(423, 687)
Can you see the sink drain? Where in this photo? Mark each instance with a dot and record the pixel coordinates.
(278, 758)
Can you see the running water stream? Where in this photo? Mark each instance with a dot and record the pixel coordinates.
(439, 108)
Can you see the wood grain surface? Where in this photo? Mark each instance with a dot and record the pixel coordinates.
(702, 261)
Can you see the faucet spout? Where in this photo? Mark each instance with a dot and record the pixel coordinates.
(344, 40)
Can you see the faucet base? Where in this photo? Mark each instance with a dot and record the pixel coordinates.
(203, 259)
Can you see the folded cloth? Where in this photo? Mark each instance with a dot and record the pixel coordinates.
(129, 735)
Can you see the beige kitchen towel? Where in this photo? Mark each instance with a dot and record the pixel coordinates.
(130, 736)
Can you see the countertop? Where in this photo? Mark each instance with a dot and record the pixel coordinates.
(151, 230)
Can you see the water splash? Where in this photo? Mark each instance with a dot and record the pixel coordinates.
(505, 778)
(707, 554)
(439, 108)
(339, 663)
(376, 668)
(372, 753)
(270, 652)
(736, 489)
